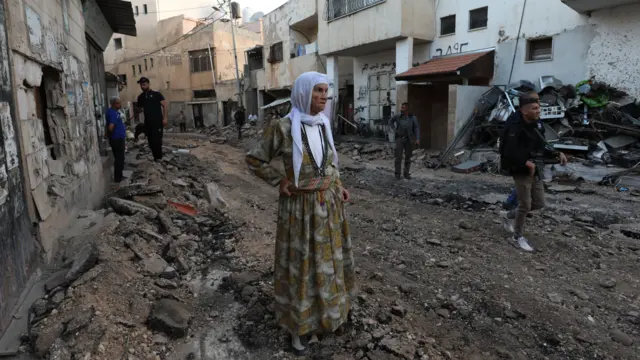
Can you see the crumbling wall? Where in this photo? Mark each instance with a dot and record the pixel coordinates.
(56, 116)
(614, 52)
(17, 245)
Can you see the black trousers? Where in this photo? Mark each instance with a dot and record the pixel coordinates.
(154, 137)
(118, 148)
(183, 127)
(239, 126)
(403, 146)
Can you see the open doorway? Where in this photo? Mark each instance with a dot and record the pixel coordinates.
(197, 115)
(51, 115)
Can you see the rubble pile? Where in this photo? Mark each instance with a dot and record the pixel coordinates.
(127, 289)
(230, 132)
(377, 151)
(593, 123)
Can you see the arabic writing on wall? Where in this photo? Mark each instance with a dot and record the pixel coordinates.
(451, 49)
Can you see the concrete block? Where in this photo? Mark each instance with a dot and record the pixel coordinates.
(41, 199)
(56, 167)
(80, 168)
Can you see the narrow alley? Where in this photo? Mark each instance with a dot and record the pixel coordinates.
(437, 279)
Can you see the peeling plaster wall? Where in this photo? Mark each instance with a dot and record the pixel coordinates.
(615, 51)
(18, 251)
(50, 58)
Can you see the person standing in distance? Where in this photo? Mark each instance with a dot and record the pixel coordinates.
(117, 134)
(239, 117)
(155, 116)
(407, 134)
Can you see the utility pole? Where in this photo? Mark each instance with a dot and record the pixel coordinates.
(235, 54)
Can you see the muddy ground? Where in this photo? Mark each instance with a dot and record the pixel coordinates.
(437, 278)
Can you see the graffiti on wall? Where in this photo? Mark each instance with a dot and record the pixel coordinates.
(387, 66)
(451, 49)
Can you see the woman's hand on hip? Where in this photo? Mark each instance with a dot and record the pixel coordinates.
(345, 195)
(284, 187)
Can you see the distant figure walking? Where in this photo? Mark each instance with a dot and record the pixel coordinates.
(117, 135)
(239, 117)
(155, 116)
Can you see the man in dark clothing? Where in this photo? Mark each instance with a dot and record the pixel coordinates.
(155, 116)
(239, 117)
(139, 129)
(117, 134)
(407, 135)
(183, 122)
(522, 146)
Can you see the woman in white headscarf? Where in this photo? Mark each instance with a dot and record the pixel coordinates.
(314, 268)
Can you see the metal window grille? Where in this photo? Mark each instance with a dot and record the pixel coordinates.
(478, 18)
(540, 49)
(276, 53)
(448, 25)
(338, 8)
(199, 61)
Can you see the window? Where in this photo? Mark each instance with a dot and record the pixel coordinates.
(478, 18)
(133, 68)
(145, 65)
(144, 8)
(204, 94)
(448, 25)
(540, 49)
(140, 68)
(118, 43)
(122, 78)
(199, 61)
(151, 60)
(275, 53)
(339, 8)
(137, 11)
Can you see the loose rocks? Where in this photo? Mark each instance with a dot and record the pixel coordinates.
(170, 317)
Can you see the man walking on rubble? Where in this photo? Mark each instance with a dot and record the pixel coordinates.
(155, 116)
(522, 148)
(239, 118)
(407, 135)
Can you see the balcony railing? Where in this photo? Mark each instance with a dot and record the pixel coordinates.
(335, 9)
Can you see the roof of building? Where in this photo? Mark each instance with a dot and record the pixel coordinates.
(445, 65)
(119, 15)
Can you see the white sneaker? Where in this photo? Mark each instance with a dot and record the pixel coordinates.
(507, 223)
(522, 243)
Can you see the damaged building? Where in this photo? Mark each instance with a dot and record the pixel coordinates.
(190, 61)
(53, 153)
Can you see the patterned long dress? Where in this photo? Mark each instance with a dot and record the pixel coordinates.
(314, 266)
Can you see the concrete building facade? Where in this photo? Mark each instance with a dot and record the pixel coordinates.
(191, 62)
(566, 39)
(52, 98)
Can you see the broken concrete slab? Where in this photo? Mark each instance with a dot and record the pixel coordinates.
(179, 182)
(127, 174)
(56, 280)
(214, 197)
(170, 317)
(41, 199)
(562, 188)
(86, 259)
(127, 207)
(128, 192)
(154, 265)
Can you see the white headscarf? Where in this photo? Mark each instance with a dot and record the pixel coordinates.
(301, 106)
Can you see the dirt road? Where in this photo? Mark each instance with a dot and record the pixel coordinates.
(431, 249)
(437, 278)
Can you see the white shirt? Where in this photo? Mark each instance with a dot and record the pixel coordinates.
(315, 142)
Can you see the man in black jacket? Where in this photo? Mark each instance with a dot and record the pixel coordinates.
(239, 118)
(522, 147)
